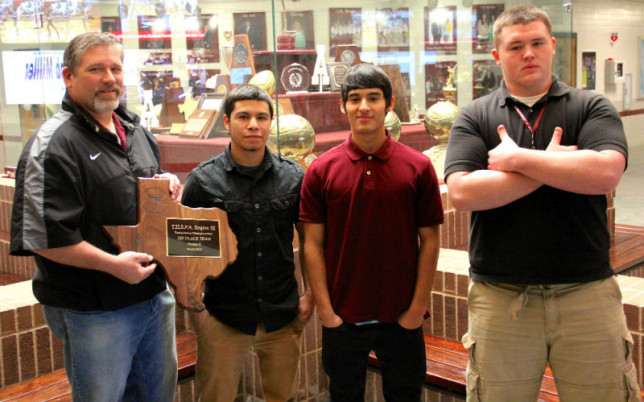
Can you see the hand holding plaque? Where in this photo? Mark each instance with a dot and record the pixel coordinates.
(190, 244)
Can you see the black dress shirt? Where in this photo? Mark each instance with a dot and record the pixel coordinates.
(262, 207)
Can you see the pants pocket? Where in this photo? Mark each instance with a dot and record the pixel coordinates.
(630, 379)
(298, 324)
(472, 374)
(629, 372)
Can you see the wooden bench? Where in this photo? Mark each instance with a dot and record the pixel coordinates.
(8, 279)
(627, 248)
(55, 387)
(446, 364)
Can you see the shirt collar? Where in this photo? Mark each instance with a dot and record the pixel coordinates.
(383, 153)
(557, 89)
(230, 164)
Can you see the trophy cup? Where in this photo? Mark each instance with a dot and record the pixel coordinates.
(227, 49)
(220, 83)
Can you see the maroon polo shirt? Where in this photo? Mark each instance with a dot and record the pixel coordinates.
(372, 206)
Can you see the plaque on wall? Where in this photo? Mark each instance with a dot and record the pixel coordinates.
(242, 67)
(253, 25)
(296, 78)
(345, 26)
(337, 71)
(348, 54)
(392, 27)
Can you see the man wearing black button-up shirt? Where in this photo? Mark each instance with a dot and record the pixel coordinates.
(255, 302)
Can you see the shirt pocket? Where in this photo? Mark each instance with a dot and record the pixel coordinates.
(283, 209)
(232, 207)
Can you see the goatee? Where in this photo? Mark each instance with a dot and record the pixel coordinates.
(105, 105)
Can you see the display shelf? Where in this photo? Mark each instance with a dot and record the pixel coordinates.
(181, 155)
(321, 109)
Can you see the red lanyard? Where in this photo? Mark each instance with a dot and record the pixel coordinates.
(527, 123)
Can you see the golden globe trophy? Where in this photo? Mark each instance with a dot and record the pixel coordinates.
(392, 123)
(438, 122)
(295, 138)
(265, 80)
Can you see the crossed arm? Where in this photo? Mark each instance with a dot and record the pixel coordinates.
(514, 172)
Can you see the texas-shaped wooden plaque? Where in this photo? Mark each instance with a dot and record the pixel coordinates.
(191, 244)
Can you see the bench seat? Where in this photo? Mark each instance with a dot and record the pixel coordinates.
(446, 364)
(55, 387)
(8, 279)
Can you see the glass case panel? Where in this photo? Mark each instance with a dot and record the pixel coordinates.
(179, 50)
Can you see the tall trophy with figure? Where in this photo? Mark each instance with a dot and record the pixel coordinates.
(220, 83)
(438, 121)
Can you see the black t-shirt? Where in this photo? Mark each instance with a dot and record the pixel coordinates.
(549, 236)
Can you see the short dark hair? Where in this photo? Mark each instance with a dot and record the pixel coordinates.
(78, 46)
(246, 92)
(523, 14)
(365, 75)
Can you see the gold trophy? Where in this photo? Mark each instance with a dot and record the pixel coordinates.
(438, 122)
(220, 83)
(227, 49)
(265, 80)
(392, 123)
(295, 139)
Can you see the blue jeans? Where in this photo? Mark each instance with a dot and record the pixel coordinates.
(124, 355)
(400, 352)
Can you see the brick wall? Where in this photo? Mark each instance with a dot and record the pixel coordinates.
(22, 267)
(28, 349)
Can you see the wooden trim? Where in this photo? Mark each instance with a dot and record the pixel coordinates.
(626, 113)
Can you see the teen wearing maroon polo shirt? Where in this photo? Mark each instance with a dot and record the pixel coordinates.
(371, 209)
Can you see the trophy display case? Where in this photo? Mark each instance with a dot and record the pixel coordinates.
(178, 52)
(182, 56)
(309, 47)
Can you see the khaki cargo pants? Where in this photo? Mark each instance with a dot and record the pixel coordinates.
(579, 329)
